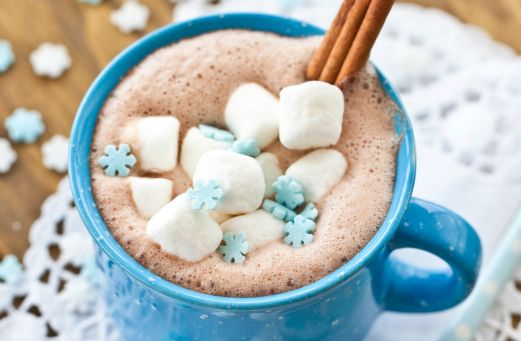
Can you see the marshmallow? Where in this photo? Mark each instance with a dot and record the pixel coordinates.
(195, 144)
(239, 176)
(318, 172)
(219, 217)
(260, 228)
(252, 113)
(270, 167)
(186, 233)
(156, 141)
(311, 115)
(150, 194)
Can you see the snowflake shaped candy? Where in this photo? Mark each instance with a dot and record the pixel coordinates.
(288, 192)
(235, 248)
(50, 60)
(117, 161)
(7, 156)
(310, 212)
(247, 147)
(24, 126)
(6, 55)
(298, 232)
(55, 153)
(278, 211)
(216, 133)
(11, 270)
(130, 17)
(205, 194)
(91, 2)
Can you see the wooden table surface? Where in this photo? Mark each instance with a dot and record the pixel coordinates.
(92, 42)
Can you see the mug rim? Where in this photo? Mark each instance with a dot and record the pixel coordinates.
(80, 179)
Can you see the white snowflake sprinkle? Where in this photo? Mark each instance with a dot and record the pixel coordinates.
(78, 296)
(55, 153)
(50, 60)
(7, 156)
(130, 17)
(7, 56)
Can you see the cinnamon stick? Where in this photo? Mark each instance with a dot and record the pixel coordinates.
(365, 38)
(344, 41)
(317, 62)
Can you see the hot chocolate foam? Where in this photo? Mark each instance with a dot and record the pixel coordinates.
(192, 80)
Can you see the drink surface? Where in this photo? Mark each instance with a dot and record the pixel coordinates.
(192, 81)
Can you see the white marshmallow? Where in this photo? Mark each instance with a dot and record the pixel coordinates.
(150, 194)
(155, 139)
(318, 172)
(252, 113)
(184, 232)
(270, 167)
(260, 228)
(311, 115)
(219, 217)
(239, 176)
(195, 144)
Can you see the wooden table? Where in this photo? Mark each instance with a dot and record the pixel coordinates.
(92, 42)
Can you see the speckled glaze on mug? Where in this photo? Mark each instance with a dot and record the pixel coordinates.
(340, 306)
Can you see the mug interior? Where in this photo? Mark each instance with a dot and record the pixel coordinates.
(83, 130)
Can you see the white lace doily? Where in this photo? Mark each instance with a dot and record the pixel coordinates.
(463, 93)
(58, 294)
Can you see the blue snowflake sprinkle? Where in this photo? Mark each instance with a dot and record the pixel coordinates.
(298, 232)
(11, 270)
(235, 247)
(310, 212)
(24, 126)
(247, 147)
(92, 2)
(6, 55)
(216, 133)
(117, 161)
(205, 194)
(288, 192)
(278, 211)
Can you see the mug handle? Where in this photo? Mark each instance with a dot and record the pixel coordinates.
(435, 229)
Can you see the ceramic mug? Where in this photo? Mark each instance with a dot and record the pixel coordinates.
(341, 305)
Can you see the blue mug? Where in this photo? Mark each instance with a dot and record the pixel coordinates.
(340, 306)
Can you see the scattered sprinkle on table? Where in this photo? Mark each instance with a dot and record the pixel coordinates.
(7, 156)
(7, 57)
(24, 126)
(50, 60)
(91, 2)
(132, 16)
(55, 153)
(11, 270)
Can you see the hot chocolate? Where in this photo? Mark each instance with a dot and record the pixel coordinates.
(192, 81)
